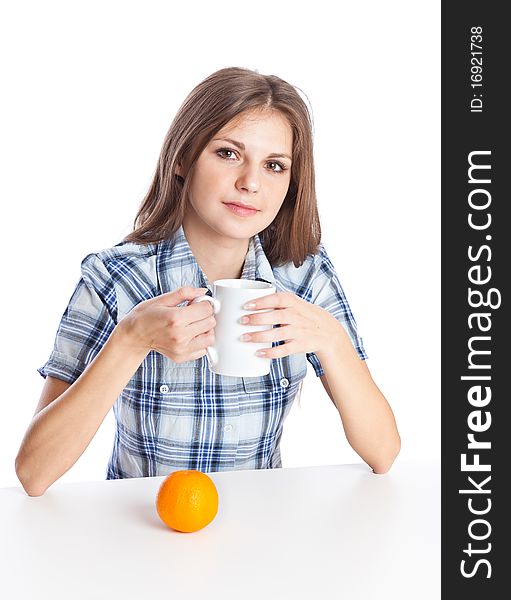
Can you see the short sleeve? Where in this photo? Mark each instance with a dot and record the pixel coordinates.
(86, 324)
(327, 292)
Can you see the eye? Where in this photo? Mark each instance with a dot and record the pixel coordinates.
(230, 154)
(223, 151)
(280, 168)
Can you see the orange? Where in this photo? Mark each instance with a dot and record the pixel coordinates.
(187, 500)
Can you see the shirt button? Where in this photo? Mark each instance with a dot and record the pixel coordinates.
(228, 428)
(284, 382)
(164, 389)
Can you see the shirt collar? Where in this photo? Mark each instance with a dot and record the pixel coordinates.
(176, 266)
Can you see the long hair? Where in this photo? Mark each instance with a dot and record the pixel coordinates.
(295, 232)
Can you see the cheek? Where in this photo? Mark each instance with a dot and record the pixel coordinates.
(202, 186)
(280, 189)
(277, 203)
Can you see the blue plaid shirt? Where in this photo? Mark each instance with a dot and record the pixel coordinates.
(181, 415)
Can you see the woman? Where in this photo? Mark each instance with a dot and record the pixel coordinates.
(233, 197)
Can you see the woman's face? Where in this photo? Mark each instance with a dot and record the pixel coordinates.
(248, 162)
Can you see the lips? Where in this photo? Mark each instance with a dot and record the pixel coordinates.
(241, 205)
(241, 209)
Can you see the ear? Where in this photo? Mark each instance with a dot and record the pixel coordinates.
(179, 174)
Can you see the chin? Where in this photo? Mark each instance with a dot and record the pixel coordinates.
(237, 229)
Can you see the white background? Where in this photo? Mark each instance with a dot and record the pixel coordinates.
(89, 91)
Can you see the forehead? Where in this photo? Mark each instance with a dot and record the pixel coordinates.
(268, 126)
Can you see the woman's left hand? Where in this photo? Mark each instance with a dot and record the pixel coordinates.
(304, 327)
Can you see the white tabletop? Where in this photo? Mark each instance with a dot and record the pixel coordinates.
(313, 533)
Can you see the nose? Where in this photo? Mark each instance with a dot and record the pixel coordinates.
(248, 180)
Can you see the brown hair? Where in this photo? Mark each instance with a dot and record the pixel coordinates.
(295, 232)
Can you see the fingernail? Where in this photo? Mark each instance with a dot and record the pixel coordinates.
(261, 353)
(244, 320)
(245, 337)
(249, 305)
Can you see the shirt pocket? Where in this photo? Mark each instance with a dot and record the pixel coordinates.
(284, 378)
(271, 399)
(162, 390)
(179, 394)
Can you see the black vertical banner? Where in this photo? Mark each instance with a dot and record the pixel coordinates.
(476, 324)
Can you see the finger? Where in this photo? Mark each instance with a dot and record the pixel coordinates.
(280, 316)
(200, 326)
(195, 312)
(182, 294)
(280, 351)
(191, 356)
(198, 353)
(190, 313)
(277, 300)
(195, 346)
(277, 334)
(201, 341)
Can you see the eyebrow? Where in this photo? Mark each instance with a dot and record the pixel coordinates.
(241, 146)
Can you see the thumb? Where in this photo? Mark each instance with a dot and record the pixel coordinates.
(180, 295)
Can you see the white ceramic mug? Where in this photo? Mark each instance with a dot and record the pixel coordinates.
(230, 356)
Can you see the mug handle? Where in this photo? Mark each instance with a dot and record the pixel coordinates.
(212, 353)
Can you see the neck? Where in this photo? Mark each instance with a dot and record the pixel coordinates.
(218, 256)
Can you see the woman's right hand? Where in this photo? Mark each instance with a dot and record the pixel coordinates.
(180, 333)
